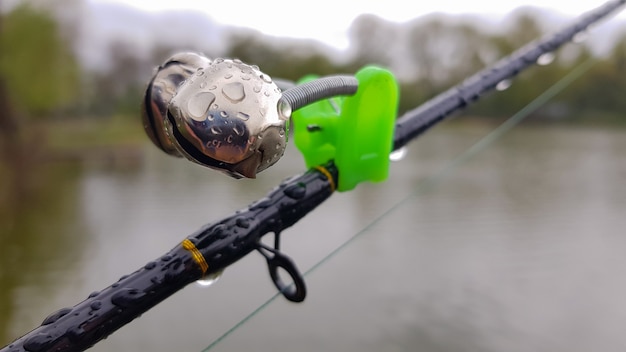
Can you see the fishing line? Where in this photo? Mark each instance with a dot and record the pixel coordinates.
(436, 178)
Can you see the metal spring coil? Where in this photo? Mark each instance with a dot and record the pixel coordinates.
(326, 87)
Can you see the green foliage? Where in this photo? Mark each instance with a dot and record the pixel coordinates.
(37, 65)
(433, 53)
(428, 55)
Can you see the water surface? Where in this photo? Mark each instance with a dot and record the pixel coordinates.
(521, 248)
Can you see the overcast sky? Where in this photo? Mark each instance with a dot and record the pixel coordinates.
(328, 20)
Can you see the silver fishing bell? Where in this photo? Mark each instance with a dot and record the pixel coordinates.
(222, 113)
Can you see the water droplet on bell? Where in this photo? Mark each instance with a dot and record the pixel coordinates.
(546, 59)
(209, 279)
(38, 342)
(228, 76)
(200, 71)
(127, 297)
(256, 89)
(52, 318)
(281, 132)
(398, 155)
(503, 84)
(216, 130)
(234, 92)
(203, 85)
(243, 116)
(238, 131)
(266, 78)
(284, 110)
(198, 105)
(223, 113)
(245, 77)
(213, 87)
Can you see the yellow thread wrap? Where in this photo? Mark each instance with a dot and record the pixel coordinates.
(328, 176)
(196, 255)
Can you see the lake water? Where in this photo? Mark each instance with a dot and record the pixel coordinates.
(520, 248)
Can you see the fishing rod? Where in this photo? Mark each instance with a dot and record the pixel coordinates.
(231, 117)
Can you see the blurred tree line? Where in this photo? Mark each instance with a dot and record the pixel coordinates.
(43, 80)
(40, 75)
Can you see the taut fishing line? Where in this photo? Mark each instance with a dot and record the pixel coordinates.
(430, 182)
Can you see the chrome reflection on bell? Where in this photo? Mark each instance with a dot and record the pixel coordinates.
(159, 93)
(223, 114)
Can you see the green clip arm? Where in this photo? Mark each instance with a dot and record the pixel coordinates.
(356, 132)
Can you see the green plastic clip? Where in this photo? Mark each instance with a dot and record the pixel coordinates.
(356, 131)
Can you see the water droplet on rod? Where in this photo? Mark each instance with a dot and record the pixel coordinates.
(209, 279)
(243, 116)
(398, 155)
(503, 84)
(546, 59)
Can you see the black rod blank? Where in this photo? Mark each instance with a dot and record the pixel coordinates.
(417, 121)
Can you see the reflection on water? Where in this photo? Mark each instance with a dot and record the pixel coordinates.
(521, 249)
(40, 243)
